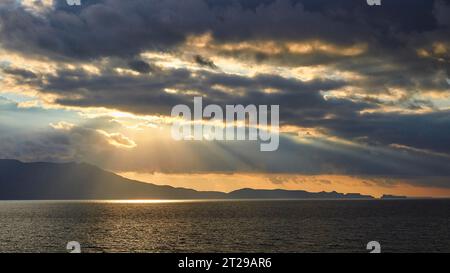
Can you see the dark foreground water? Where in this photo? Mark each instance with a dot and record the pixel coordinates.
(226, 226)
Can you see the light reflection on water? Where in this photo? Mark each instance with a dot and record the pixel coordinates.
(225, 226)
(144, 201)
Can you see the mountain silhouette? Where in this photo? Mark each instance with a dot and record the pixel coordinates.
(73, 181)
(289, 194)
(80, 181)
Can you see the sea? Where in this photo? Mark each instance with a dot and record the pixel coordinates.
(269, 226)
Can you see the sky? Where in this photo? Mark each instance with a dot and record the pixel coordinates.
(363, 91)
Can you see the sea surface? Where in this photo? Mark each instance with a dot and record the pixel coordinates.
(226, 226)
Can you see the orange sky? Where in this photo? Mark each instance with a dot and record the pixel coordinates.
(340, 183)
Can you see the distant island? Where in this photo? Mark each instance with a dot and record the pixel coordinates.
(290, 194)
(80, 181)
(388, 196)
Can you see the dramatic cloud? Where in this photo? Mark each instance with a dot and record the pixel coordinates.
(140, 66)
(362, 91)
(204, 62)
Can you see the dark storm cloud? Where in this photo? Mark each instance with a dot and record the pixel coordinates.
(301, 103)
(121, 28)
(202, 61)
(50, 145)
(105, 28)
(401, 68)
(140, 66)
(146, 93)
(393, 33)
(428, 131)
(23, 73)
(441, 11)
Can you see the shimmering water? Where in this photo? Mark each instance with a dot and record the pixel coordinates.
(226, 226)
